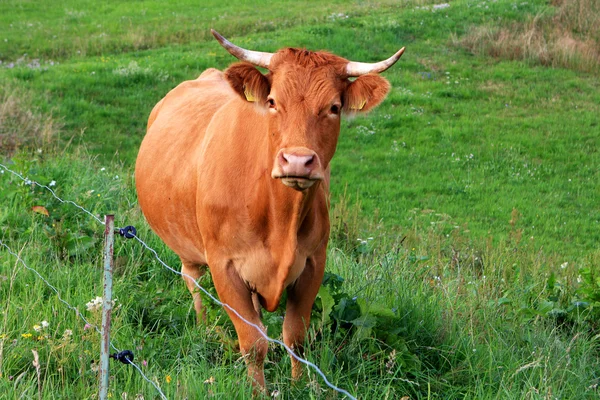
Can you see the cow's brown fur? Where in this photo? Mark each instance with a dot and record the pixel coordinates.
(204, 183)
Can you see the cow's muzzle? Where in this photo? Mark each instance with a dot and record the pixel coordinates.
(297, 167)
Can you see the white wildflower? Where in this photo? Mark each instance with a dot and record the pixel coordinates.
(41, 326)
(94, 304)
(362, 242)
(52, 183)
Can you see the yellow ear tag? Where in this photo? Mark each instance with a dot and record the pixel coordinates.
(249, 95)
(360, 107)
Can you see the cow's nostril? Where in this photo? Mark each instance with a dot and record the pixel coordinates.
(297, 162)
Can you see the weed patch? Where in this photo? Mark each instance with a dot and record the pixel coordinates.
(567, 37)
(21, 124)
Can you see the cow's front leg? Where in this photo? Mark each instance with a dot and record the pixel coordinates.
(234, 292)
(300, 299)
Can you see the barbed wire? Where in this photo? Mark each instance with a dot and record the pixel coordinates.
(29, 181)
(258, 328)
(55, 290)
(77, 312)
(217, 301)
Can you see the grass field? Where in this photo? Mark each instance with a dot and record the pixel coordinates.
(464, 260)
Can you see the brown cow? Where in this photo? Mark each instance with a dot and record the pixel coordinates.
(233, 174)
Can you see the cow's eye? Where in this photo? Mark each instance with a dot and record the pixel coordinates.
(335, 109)
(271, 103)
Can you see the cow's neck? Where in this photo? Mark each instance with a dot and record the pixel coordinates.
(291, 218)
(290, 207)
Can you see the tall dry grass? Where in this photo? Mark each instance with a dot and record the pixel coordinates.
(20, 123)
(568, 36)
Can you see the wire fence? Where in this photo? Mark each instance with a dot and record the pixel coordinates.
(77, 312)
(155, 253)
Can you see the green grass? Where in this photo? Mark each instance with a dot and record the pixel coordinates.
(55, 31)
(473, 188)
(522, 148)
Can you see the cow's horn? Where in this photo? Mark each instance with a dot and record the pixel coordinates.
(257, 58)
(358, 68)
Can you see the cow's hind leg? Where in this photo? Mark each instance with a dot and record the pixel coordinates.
(235, 293)
(191, 273)
(300, 298)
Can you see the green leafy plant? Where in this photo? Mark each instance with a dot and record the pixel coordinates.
(355, 318)
(589, 292)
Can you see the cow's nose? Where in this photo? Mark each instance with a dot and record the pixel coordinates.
(297, 167)
(300, 165)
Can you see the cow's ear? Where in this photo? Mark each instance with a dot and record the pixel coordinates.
(248, 82)
(365, 93)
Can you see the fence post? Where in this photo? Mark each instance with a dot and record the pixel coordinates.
(109, 239)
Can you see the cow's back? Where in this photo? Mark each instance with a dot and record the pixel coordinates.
(166, 167)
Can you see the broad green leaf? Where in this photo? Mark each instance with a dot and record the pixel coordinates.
(327, 302)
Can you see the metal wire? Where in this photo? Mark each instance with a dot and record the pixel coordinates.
(258, 328)
(49, 285)
(217, 301)
(19, 259)
(29, 181)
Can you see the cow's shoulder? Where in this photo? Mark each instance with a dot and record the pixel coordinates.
(193, 100)
(209, 86)
(212, 74)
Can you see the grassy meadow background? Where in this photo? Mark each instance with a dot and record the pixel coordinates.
(464, 258)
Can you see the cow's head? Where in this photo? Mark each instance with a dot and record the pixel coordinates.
(304, 94)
